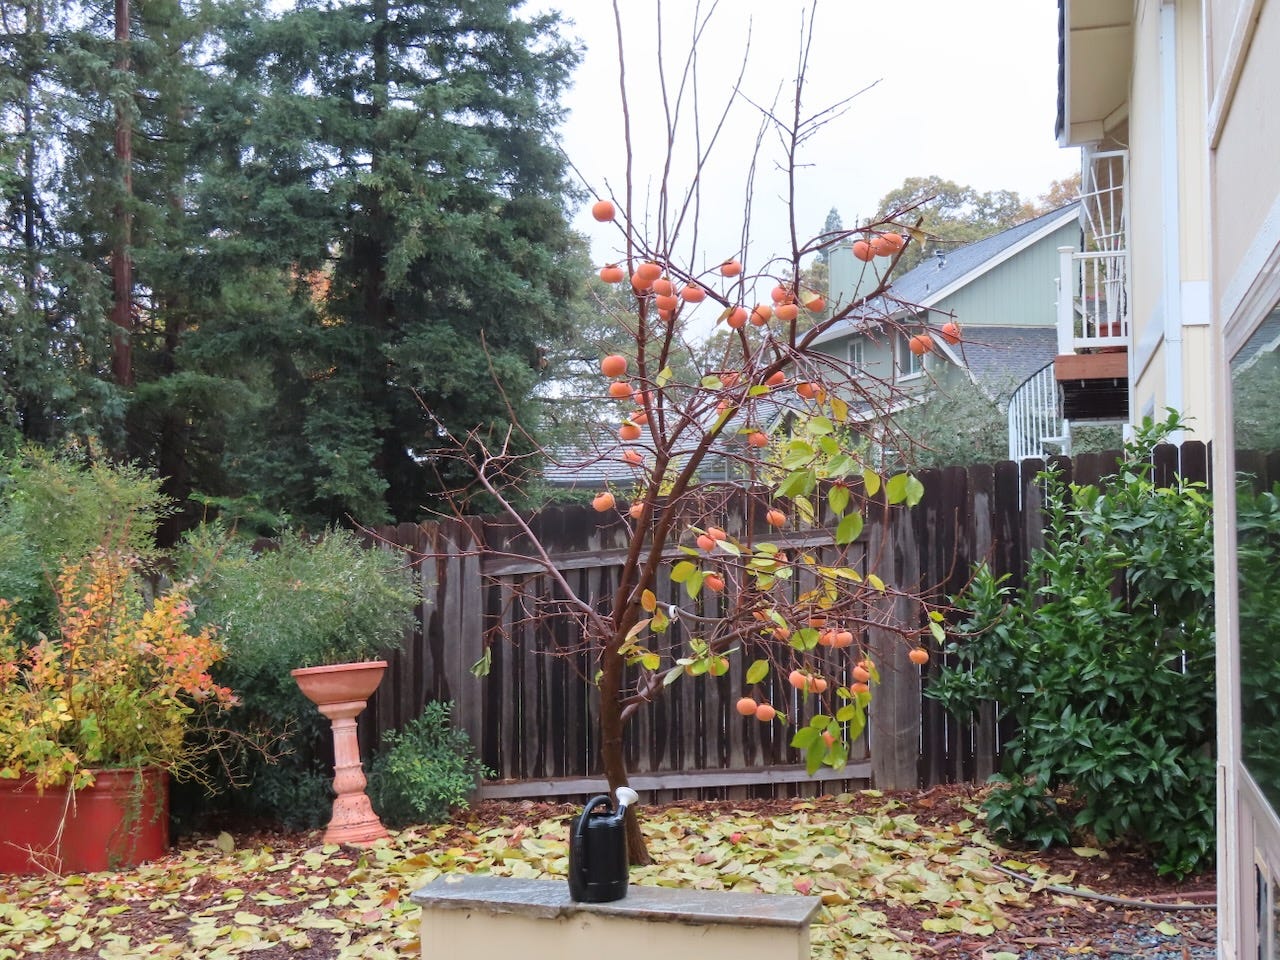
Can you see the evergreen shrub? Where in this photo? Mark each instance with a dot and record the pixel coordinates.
(424, 770)
(1104, 661)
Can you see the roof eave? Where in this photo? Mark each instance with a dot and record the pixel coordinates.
(1095, 58)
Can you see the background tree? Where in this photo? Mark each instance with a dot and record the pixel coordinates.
(961, 423)
(332, 211)
(950, 215)
(53, 308)
(393, 169)
(1060, 193)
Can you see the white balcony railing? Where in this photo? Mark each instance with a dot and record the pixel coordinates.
(1093, 300)
(1035, 418)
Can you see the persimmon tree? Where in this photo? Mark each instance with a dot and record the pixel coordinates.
(765, 555)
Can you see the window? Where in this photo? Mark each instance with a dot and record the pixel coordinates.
(1255, 391)
(857, 363)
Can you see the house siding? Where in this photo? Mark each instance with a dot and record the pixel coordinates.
(1019, 292)
(1169, 366)
(1249, 148)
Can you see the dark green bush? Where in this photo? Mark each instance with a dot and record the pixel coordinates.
(1104, 661)
(424, 770)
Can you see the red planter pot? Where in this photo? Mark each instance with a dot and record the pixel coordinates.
(120, 821)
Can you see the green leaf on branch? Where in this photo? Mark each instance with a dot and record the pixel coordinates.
(797, 483)
(682, 571)
(820, 426)
(481, 667)
(858, 722)
(664, 377)
(915, 491)
(757, 671)
(660, 622)
(849, 529)
(871, 480)
(712, 382)
(651, 661)
(837, 756)
(804, 509)
(938, 633)
(814, 757)
(841, 466)
(798, 454)
(805, 638)
(838, 500)
(896, 488)
(806, 737)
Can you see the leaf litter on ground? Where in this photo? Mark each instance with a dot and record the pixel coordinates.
(894, 883)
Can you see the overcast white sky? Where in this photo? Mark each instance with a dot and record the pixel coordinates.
(964, 90)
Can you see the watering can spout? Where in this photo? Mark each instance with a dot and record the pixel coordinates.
(626, 798)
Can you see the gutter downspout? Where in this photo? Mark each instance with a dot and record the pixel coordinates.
(1171, 236)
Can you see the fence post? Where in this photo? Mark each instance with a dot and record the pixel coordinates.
(893, 554)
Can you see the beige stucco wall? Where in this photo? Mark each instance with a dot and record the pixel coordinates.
(1221, 15)
(466, 934)
(1146, 232)
(1193, 154)
(1247, 179)
(1150, 220)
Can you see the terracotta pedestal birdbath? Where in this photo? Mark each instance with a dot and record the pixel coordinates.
(341, 692)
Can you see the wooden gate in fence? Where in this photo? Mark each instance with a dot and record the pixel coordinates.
(532, 716)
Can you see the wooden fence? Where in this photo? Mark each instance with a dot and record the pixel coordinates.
(532, 716)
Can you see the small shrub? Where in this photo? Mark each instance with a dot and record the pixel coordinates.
(59, 509)
(424, 770)
(1104, 661)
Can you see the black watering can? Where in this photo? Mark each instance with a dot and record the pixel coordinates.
(598, 849)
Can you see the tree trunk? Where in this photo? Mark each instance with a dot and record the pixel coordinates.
(121, 260)
(611, 756)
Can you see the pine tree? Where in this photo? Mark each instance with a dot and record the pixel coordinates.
(395, 166)
(53, 333)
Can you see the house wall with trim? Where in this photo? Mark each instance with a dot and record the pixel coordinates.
(1162, 126)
